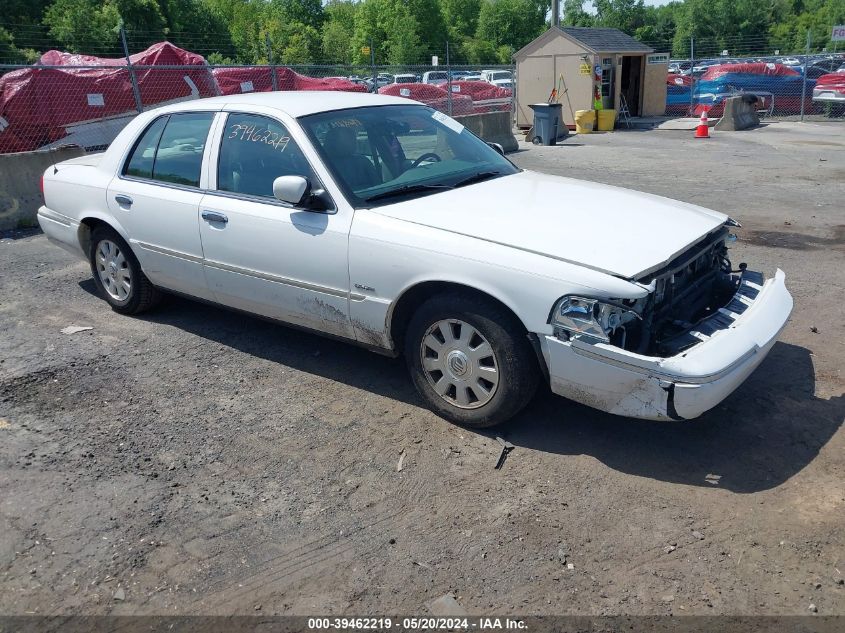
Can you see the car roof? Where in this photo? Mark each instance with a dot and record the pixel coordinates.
(295, 103)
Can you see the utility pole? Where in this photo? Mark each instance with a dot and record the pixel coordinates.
(373, 64)
(555, 12)
(448, 78)
(273, 77)
(691, 75)
(804, 82)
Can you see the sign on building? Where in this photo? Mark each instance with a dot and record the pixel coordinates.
(657, 58)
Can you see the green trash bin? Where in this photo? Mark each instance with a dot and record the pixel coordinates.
(547, 122)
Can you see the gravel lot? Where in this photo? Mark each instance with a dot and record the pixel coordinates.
(196, 461)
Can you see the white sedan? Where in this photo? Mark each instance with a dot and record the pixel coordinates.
(382, 222)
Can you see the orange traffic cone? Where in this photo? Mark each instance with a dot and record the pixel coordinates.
(702, 131)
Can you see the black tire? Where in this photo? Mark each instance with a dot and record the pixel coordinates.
(142, 295)
(515, 361)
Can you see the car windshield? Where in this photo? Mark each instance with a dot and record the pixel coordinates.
(383, 154)
(504, 74)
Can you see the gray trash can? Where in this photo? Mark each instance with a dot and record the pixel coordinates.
(547, 122)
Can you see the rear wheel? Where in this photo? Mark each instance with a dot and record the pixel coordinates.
(118, 275)
(470, 359)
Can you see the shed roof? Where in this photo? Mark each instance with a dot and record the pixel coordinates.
(596, 40)
(603, 40)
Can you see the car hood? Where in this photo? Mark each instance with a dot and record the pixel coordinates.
(610, 229)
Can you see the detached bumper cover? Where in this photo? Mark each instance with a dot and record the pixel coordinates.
(60, 230)
(733, 343)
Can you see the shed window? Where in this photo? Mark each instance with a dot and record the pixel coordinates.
(606, 76)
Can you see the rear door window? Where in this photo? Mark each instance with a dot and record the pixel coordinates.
(140, 164)
(171, 149)
(179, 155)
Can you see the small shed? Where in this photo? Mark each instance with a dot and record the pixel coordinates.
(577, 60)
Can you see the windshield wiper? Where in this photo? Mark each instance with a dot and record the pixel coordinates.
(401, 191)
(482, 175)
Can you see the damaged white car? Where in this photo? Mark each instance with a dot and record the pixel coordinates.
(380, 221)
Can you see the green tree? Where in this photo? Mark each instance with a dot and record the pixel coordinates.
(84, 26)
(195, 25)
(461, 16)
(290, 42)
(510, 23)
(625, 15)
(373, 20)
(308, 12)
(403, 44)
(574, 14)
(338, 31)
(479, 52)
(244, 19)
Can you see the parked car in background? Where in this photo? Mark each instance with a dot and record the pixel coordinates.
(406, 78)
(499, 78)
(679, 67)
(829, 91)
(380, 221)
(701, 67)
(383, 79)
(435, 76)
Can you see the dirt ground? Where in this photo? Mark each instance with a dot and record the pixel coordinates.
(196, 461)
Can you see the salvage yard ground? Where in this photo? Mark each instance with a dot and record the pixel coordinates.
(198, 461)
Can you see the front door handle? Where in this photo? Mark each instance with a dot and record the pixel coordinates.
(124, 201)
(214, 216)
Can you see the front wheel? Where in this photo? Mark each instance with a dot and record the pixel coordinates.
(118, 275)
(470, 360)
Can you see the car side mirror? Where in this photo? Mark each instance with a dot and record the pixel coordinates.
(498, 148)
(296, 190)
(291, 189)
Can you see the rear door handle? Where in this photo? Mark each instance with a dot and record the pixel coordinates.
(214, 216)
(124, 201)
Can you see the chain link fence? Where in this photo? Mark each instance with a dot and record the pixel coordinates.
(803, 84)
(86, 99)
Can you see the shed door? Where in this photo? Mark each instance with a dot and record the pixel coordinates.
(631, 80)
(536, 80)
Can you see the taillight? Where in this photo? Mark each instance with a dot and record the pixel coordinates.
(42, 186)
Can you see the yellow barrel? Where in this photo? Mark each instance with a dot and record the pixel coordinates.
(606, 120)
(584, 121)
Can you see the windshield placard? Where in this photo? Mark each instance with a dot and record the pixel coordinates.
(448, 122)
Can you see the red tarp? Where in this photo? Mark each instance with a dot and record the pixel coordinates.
(756, 68)
(233, 81)
(37, 103)
(832, 81)
(290, 80)
(259, 79)
(433, 96)
(485, 96)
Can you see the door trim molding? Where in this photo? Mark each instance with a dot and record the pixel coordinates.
(287, 281)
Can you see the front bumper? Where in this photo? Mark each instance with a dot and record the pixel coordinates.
(678, 387)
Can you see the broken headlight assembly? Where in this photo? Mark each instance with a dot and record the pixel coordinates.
(591, 318)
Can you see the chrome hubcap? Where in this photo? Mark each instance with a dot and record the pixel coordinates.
(113, 270)
(459, 364)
